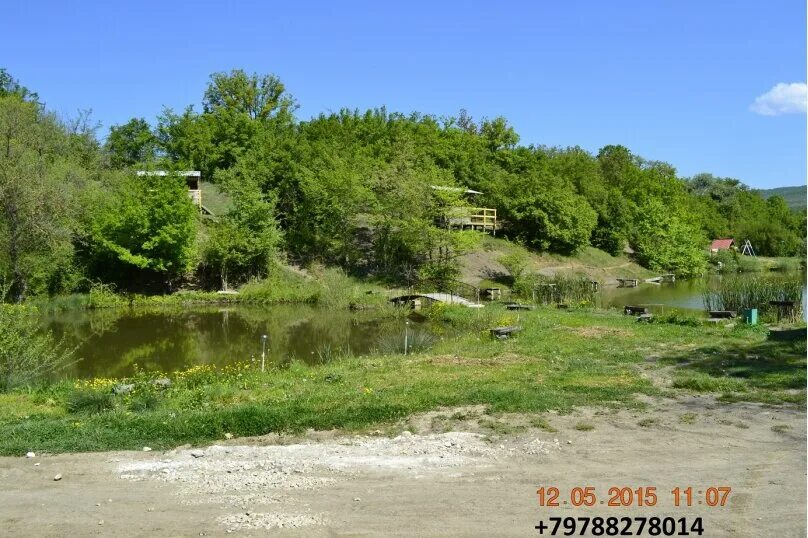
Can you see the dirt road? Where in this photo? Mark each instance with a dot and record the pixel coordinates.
(476, 480)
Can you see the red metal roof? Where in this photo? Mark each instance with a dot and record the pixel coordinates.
(721, 244)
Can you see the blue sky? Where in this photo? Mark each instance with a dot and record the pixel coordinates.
(672, 80)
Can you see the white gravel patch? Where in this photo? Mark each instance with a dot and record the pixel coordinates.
(254, 476)
(250, 520)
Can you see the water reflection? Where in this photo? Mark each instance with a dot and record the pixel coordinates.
(111, 342)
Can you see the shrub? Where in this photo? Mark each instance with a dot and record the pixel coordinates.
(90, 402)
(26, 352)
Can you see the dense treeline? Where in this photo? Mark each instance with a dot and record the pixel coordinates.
(349, 188)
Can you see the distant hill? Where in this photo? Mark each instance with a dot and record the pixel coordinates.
(794, 196)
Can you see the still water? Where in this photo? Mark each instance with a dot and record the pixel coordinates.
(111, 342)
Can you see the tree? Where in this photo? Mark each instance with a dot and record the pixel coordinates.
(131, 144)
(498, 134)
(243, 243)
(140, 234)
(259, 97)
(35, 192)
(11, 86)
(664, 240)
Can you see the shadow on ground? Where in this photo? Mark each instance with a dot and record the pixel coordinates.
(769, 371)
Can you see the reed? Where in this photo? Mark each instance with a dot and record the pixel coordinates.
(737, 294)
(576, 290)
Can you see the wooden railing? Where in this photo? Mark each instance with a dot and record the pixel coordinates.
(477, 218)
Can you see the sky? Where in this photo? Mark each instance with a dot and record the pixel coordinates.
(709, 86)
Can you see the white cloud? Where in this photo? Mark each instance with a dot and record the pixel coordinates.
(784, 98)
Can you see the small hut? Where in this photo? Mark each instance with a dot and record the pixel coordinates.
(193, 178)
(721, 244)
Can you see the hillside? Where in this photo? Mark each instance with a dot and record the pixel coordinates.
(482, 266)
(794, 196)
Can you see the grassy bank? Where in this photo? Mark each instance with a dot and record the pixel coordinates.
(560, 360)
(325, 287)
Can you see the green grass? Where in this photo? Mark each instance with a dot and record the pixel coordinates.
(648, 422)
(561, 360)
(542, 424)
(764, 371)
(325, 287)
(584, 427)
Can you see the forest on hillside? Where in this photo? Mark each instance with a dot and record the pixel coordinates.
(352, 189)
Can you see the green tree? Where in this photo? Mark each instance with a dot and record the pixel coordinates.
(259, 97)
(11, 86)
(666, 241)
(131, 144)
(36, 193)
(141, 232)
(244, 242)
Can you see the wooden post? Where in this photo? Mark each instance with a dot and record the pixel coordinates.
(263, 351)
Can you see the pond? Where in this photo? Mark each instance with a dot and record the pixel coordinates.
(113, 342)
(684, 295)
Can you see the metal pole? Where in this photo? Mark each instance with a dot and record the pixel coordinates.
(263, 351)
(406, 335)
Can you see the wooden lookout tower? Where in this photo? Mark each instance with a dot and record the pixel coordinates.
(483, 219)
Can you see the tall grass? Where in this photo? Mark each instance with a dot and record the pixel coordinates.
(736, 293)
(575, 290)
(418, 341)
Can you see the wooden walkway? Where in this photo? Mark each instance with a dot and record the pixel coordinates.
(439, 297)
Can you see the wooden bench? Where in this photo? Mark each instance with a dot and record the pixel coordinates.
(635, 310)
(503, 333)
(721, 314)
(784, 308)
(787, 335)
(518, 306)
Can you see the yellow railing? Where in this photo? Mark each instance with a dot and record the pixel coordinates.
(474, 217)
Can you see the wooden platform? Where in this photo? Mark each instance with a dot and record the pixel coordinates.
(627, 282)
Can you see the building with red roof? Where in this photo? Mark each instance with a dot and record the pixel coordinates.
(722, 244)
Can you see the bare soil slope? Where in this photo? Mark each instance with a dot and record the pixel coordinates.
(483, 264)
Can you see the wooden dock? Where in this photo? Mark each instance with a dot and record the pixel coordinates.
(627, 282)
(414, 299)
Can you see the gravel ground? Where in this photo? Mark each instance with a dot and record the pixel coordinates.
(468, 476)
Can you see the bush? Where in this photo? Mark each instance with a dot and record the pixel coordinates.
(90, 402)
(26, 352)
(678, 319)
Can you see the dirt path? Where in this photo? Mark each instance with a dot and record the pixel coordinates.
(471, 483)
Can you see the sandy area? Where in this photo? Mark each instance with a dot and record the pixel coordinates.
(470, 481)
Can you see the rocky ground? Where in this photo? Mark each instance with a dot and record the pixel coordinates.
(461, 473)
